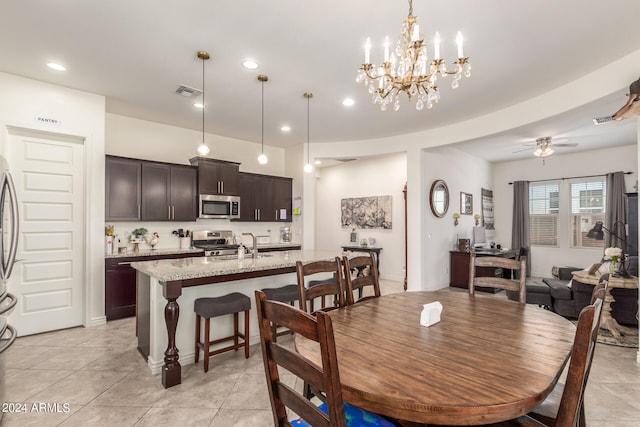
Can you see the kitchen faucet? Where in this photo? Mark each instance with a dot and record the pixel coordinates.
(254, 241)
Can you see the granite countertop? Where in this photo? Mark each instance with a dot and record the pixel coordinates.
(192, 268)
(153, 252)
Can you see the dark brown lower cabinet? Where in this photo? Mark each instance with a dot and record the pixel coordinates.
(120, 283)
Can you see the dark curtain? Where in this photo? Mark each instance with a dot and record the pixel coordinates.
(520, 223)
(616, 216)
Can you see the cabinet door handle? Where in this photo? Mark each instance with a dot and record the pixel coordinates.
(169, 213)
(139, 217)
(222, 186)
(173, 212)
(277, 215)
(125, 263)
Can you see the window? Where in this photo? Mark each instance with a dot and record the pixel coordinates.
(544, 206)
(588, 201)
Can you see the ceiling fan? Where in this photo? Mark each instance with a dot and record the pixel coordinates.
(544, 147)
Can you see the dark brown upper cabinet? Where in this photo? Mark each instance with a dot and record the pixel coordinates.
(264, 198)
(216, 176)
(140, 190)
(169, 192)
(123, 179)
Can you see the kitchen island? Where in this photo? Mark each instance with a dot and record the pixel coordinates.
(160, 283)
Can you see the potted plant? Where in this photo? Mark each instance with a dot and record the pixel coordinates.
(139, 233)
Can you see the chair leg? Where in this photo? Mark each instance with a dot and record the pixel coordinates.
(197, 356)
(207, 325)
(235, 331)
(246, 334)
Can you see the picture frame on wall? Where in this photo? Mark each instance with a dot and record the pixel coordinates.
(466, 203)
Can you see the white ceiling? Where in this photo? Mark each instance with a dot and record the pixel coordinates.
(137, 53)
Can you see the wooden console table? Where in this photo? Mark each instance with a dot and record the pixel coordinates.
(459, 267)
(608, 322)
(368, 249)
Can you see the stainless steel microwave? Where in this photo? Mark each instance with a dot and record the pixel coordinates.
(219, 206)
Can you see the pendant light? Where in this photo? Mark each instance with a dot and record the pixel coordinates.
(308, 168)
(203, 149)
(262, 158)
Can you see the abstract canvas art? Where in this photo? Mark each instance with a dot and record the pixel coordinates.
(366, 212)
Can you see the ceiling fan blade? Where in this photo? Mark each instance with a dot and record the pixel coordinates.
(565, 145)
(521, 150)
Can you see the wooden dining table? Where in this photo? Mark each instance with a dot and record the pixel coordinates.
(487, 360)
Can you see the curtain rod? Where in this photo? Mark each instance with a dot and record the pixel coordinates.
(571, 177)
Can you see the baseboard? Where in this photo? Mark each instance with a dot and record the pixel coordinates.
(97, 321)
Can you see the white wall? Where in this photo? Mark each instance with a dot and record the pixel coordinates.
(79, 114)
(558, 166)
(462, 173)
(378, 176)
(142, 139)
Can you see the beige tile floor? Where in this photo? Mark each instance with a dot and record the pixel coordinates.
(97, 378)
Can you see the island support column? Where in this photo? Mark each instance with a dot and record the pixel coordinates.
(171, 370)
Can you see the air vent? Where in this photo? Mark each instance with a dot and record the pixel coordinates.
(189, 92)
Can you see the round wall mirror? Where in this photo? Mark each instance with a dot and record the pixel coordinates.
(439, 198)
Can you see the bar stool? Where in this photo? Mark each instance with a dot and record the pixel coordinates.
(287, 294)
(207, 308)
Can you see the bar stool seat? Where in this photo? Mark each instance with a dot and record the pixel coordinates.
(206, 308)
(287, 294)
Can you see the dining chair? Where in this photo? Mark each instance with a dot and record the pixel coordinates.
(499, 282)
(334, 411)
(357, 265)
(331, 288)
(549, 409)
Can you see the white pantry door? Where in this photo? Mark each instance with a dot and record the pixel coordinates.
(48, 172)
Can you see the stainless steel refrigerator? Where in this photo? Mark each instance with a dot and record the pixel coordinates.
(8, 247)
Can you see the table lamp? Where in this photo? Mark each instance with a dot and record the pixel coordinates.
(597, 233)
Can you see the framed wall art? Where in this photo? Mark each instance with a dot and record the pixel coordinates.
(466, 203)
(487, 209)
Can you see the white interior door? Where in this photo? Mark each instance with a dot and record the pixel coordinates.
(48, 280)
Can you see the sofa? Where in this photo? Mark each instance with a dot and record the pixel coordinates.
(568, 297)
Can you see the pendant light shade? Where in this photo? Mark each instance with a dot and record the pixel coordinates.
(262, 158)
(203, 149)
(308, 167)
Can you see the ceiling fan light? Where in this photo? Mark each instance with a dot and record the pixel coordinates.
(537, 152)
(547, 152)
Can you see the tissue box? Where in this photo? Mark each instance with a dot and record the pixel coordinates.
(431, 313)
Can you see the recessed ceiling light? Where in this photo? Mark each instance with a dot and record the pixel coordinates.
(348, 102)
(250, 64)
(317, 162)
(285, 128)
(56, 66)
(198, 105)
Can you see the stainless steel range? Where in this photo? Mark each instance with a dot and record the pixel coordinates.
(216, 243)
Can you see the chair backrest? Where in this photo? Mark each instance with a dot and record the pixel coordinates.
(580, 364)
(274, 355)
(499, 282)
(332, 287)
(356, 266)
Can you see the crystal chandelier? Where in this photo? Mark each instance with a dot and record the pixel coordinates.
(408, 69)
